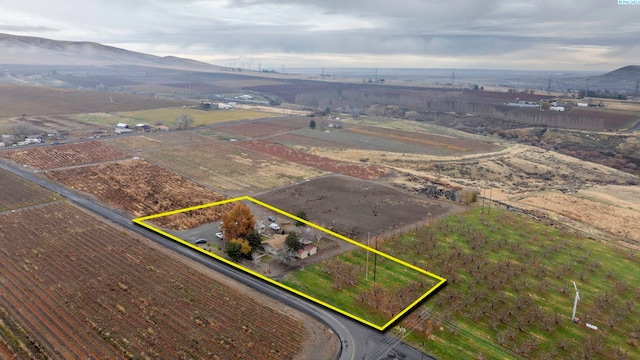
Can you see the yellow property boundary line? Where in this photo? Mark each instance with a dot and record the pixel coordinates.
(441, 281)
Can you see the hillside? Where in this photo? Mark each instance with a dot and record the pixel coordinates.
(624, 78)
(28, 50)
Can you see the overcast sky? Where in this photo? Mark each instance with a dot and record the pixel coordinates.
(487, 34)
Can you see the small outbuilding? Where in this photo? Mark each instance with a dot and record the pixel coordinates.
(310, 249)
(302, 254)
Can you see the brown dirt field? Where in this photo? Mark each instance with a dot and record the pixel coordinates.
(272, 109)
(428, 140)
(154, 141)
(256, 129)
(356, 170)
(16, 100)
(86, 289)
(16, 192)
(64, 155)
(621, 222)
(354, 207)
(229, 168)
(141, 189)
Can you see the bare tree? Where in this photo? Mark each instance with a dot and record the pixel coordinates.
(21, 129)
(183, 122)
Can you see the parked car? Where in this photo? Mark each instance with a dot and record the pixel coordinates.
(220, 235)
(272, 219)
(274, 226)
(201, 241)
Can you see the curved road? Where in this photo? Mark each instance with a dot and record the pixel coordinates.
(357, 341)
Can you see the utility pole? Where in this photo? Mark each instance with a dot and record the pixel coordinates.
(375, 261)
(549, 85)
(453, 77)
(490, 196)
(366, 269)
(586, 91)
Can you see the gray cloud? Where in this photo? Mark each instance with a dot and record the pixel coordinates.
(493, 33)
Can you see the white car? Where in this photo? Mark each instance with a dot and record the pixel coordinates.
(220, 235)
(274, 226)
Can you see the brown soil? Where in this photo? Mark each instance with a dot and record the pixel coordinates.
(87, 289)
(142, 189)
(65, 155)
(354, 207)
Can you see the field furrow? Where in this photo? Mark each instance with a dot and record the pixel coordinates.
(82, 288)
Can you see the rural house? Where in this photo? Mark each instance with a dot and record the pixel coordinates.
(275, 244)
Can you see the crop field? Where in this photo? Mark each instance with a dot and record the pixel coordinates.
(510, 291)
(56, 156)
(230, 168)
(354, 207)
(366, 285)
(200, 117)
(141, 188)
(360, 171)
(156, 140)
(16, 192)
(258, 129)
(16, 100)
(101, 120)
(381, 139)
(86, 289)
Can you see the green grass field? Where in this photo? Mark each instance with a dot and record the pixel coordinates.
(510, 292)
(375, 293)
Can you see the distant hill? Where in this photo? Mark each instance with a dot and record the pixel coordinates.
(28, 50)
(622, 79)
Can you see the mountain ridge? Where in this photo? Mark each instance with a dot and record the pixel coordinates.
(31, 50)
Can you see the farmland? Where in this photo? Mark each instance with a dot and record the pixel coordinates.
(64, 155)
(510, 289)
(17, 100)
(200, 117)
(340, 167)
(16, 192)
(230, 168)
(263, 128)
(140, 188)
(375, 292)
(86, 289)
(355, 207)
(155, 141)
(381, 139)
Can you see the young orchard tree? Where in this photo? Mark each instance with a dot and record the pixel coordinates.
(238, 222)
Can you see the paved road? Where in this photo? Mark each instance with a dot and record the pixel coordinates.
(357, 340)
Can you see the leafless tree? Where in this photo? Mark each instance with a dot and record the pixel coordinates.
(183, 122)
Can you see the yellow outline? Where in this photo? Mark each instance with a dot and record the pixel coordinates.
(441, 280)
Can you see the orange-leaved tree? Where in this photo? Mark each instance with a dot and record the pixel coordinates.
(238, 222)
